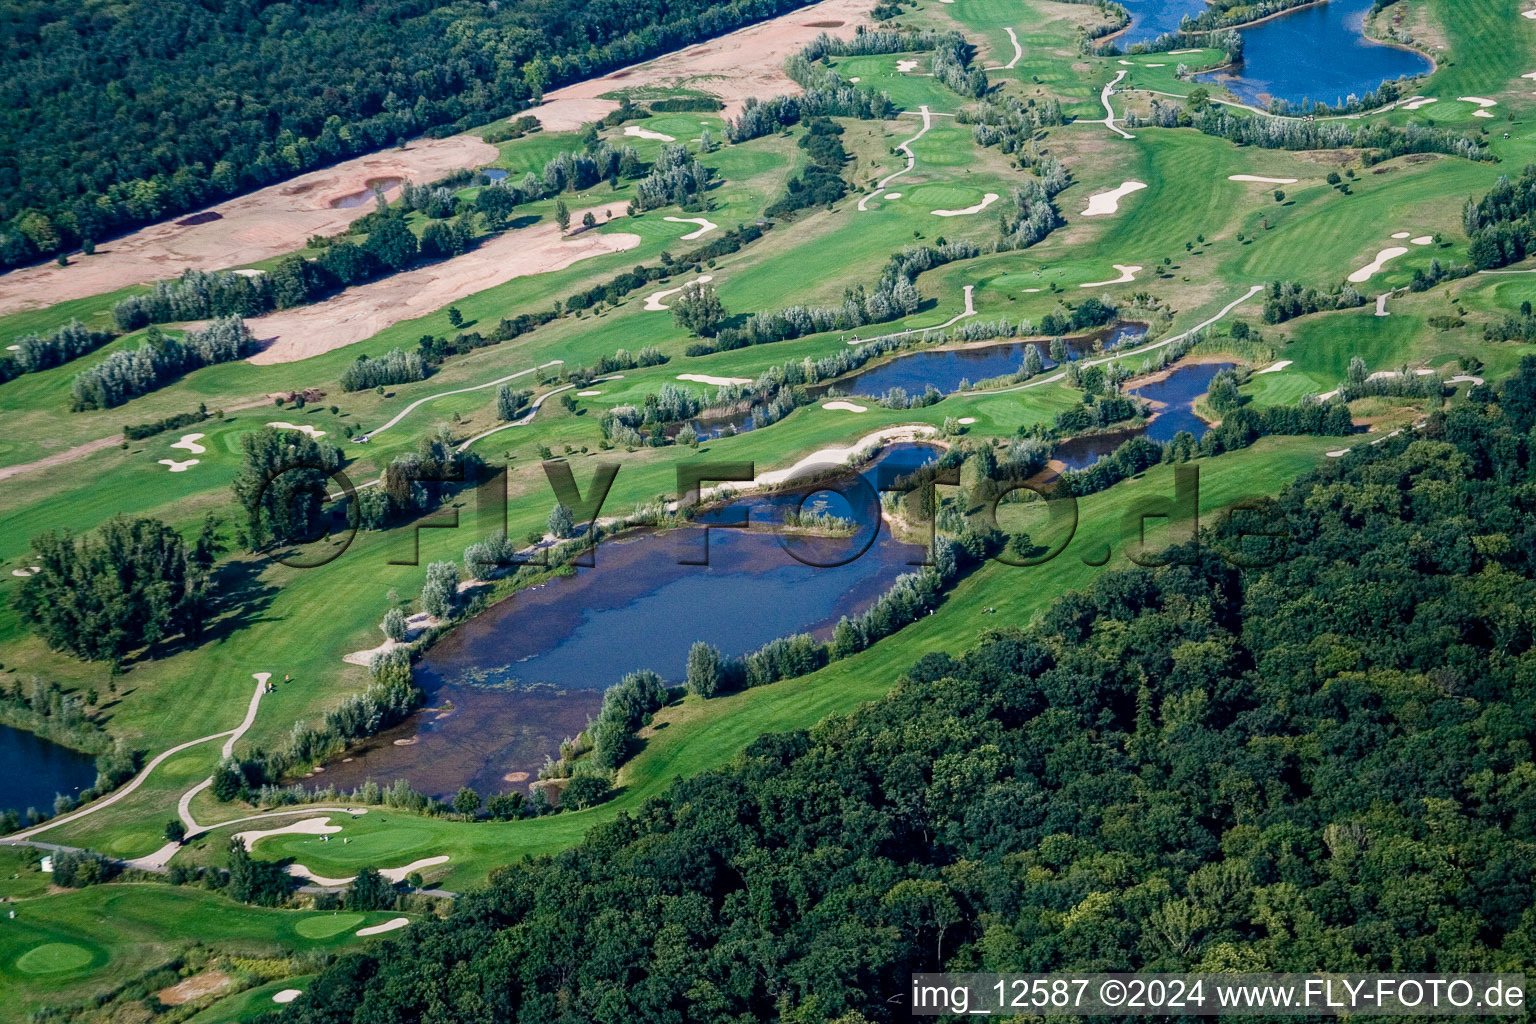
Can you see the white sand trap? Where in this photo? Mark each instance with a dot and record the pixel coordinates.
(1422, 239)
(1105, 203)
(905, 66)
(307, 827)
(1479, 100)
(987, 200)
(1157, 65)
(1374, 267)
(251, 272)
(1128, 64)
(1481, 113)
(399, 874)
(844, 407)
(13, 348)
(1262, 180)
(1277, 367)
(305, 429)
(645, 133)
(1338, 453)
(287, 995)
(189, 442)
(1528, 14)
(1127, 275)
(854, 79)
(1419, 101)
(653, 301)
(705, 226)
(1400, 235)
(829, 458)
(893, 195)
(966, 421)
(30, 571)
(1030, 291)
(179, 467)
(388, 926)
(1175, 53)
(704, 378)
(587, 394)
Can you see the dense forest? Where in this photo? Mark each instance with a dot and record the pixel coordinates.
(115, 115)
(1322, 763)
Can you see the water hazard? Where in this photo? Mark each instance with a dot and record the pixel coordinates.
(33, 771)
(506, 687)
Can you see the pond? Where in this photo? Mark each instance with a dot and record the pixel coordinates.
(1316, 53)
(33, 771)
(1176, 393)
(365, 197)
(1152, 18)
(506, 687)
(947, 369)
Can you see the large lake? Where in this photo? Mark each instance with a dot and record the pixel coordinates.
(1316, 53)
(33, 771)
(506, 687)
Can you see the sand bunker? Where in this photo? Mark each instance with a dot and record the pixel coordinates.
(1374, 267)
(906, 66)
(1102, 204)
(645, 133)
(1276, 367)
(705, 226)
(1480, 101)
(189, 442)
(1127, 275)
(844, 407)
(1401, 234)
(1261, 179)
(179, 467)
(24, 573)
(653, 301)
(307, 827)
(388, 926)
(388, 874)
(287, 995)
(704, 378)
(361, 312)
(893, 195)
(746, 63)
(1481, 113)
(1416, 103)
(1422, 239)
(966, 421)
(833, 457)
(304, 429)
(587, 394)
(254, 227)
(988, 200)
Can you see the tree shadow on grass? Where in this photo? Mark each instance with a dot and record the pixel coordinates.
(240, 599)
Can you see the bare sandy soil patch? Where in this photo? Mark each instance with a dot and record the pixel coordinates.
(747, 62)
(195, 987)
(256, 226)
(364, 311)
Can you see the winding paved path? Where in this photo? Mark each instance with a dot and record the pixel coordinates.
(403, 413)
(1018, 53)
(138, 780)
(969, 310)
(1109, 111)
(905, 147)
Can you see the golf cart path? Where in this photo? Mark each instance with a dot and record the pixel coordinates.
(905, 147)
(138, 780)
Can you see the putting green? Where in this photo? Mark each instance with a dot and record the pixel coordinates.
(326, 926)
(55, 958)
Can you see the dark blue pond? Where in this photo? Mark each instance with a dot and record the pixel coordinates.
(505, 688)
(1316, 53)
(33, 771)
(1176, 395)
(947, 369)
(1152, 18)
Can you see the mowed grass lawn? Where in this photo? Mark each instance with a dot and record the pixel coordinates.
(70, 945)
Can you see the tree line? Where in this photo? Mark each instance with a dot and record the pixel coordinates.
(194, 104)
